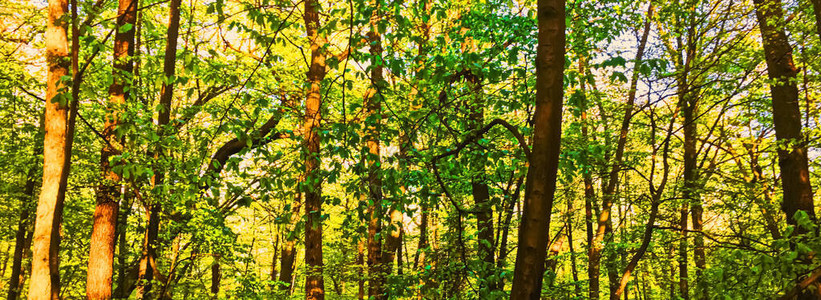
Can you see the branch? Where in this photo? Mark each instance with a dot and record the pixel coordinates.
(471, 138)
(261, 137)
(812, 278)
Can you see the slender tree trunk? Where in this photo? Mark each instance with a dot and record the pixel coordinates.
(312, 187)
(479, 188)
(594, 253)
(59, 128)
(22, 238)
(273, 275)
(149, 255)
(541, 178)
(104, 229)
(122, 290)
(573, 269)
(634, 260)
(377, 259)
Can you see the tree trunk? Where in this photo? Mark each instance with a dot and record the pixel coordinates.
(59, 134)
(121, 291)
(149, 255)
(216, 275)
(792, 151)
(288, 255)
(479, 188)
(312, 186)
(541, 179)
(104, 229)
(593, 253)
(377, 259)
(360, 261)
(816, 8)
(792, 148)
(22, 238)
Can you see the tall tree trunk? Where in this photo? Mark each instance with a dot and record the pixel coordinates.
(104, 228)
(373, 105)
(594, 253)
(312, 186)
(687, 104)
(792, 151)
(59, 135)
(541, 178)
(273, 275)
(22, 238)
(149, 255)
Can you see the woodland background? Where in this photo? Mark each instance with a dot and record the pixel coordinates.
(393, 149)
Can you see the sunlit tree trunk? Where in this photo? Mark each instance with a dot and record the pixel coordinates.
(59, 131)
(104, 229)
(312, 187)
(541, 178)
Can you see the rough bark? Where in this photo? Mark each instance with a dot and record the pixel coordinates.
(104, 229)
(312, 186)
(541, 179)
(59, 131)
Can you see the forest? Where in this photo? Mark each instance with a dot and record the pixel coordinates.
(410, 149)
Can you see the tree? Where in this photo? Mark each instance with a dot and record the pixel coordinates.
(312, 184)
(792, 152)
(59, 135)
(103, 233)
(541, 178)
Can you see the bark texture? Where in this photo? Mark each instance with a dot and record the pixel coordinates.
(59, 131)
(792, 150)
(312, 185)
(104, 230)
(541, 179)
